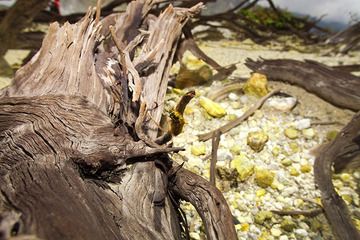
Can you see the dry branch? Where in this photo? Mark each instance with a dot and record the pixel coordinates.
(337, 87)
(344, 147)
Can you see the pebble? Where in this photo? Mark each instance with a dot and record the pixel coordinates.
(256, 85)
(283, 237)
(198, 149)
(302, 124)
(212, 108)
(224, 155)
(308, 133)
(301, 232)
(291, 133)
(284, 104)
(233, 97)
(286, 162)
(275, 232)
(288, 225)
(243, 166)
(306, 168)
(257, 140)
(263, 177)
(262, 216)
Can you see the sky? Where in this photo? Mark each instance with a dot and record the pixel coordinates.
(336, 10)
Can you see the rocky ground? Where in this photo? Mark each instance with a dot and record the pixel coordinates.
(278, 175)
(265, 163)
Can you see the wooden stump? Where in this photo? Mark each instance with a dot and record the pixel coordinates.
(77, 159)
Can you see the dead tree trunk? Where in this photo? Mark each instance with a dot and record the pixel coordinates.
(78, 159)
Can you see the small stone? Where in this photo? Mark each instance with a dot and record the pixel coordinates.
(198, 149)
(288, 225)
(276, 151)
(261, 192)
(235, 149)
(284, 104)
(293, 172)
(331, 135)
(345, 177)
(306, 168)
(212, 108)
(291, 133)
(242, 166)
(262, 216)
(257, 140)
(233, 96)
(283, 237)
(308, 133)
(263, 177)
(275, 232)
(294, 147)
(264, 235)
(244, 227)
(301, 232)
(256, 85)
(302, 124)
(286, 162)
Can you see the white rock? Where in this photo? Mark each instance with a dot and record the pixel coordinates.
(290, 190)
(301, 232)
(283, 237)
(284, 104)
(302, 124)
(275, 232)
(233, 96)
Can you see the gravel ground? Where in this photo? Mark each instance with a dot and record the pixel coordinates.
(284, 156)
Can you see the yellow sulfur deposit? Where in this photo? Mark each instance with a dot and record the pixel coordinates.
(212, 108)
(243, 167)
(256, 85)
(263, 177)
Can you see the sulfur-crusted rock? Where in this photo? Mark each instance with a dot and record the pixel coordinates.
(288, 225)
(242, 166)
(262, 216)
(256, 85)
(198, 149)
(211, 107)
(263, 177)
(257, 140)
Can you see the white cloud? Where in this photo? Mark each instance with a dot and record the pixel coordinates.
(335, 10)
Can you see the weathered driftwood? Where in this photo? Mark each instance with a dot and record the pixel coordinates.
(345, 146)
(337, 87)
(73, 164)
